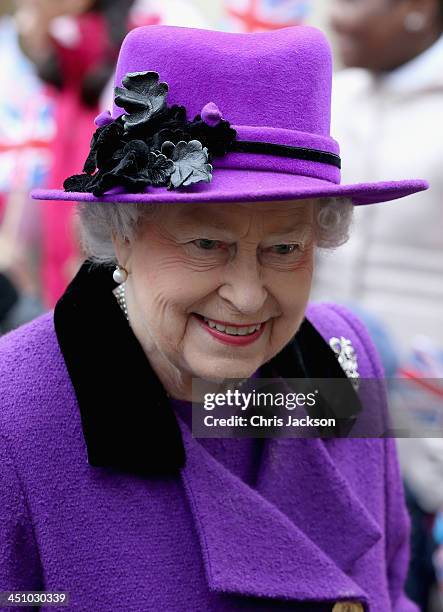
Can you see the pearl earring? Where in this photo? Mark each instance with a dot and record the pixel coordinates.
(120, 275)
(415, 21)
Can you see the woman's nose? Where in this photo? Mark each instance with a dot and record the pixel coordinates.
(243, 287)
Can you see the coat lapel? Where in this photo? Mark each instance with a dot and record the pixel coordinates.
(249, 546)
(292, 466)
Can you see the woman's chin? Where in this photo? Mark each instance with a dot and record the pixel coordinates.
(218, 370)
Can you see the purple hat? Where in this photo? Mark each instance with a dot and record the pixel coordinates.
(215, 116)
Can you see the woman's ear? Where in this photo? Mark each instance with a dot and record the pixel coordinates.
(122, 248)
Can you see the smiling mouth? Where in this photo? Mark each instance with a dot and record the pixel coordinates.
(232, 329)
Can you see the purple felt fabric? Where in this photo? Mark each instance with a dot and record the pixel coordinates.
(263, 79)
(211, 114)
(239, 456)
(273, 86)
(103, 119)
(251, 186)
(325, 521)
(271, 163)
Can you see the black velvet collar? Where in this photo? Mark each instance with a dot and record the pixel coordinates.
(128, 422)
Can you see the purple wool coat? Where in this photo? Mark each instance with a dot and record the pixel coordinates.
(105, 494)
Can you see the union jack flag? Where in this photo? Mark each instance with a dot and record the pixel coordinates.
(26, 118)
(262, 15)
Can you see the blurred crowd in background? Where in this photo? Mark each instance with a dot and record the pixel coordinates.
(56, 76)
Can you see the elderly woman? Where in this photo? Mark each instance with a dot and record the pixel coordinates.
(200, 236)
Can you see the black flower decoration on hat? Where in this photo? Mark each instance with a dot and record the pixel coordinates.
(169, 135)
(190, 163)
(137, 168)
(80, 183)
(142, 97)
(105, 140)
(218, 139)
(152, 144)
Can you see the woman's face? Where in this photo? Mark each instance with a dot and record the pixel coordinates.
(216, 290)
(371, 33)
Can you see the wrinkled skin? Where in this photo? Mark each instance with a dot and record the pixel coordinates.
(237, 263)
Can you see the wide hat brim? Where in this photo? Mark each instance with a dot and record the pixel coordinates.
(235, 185)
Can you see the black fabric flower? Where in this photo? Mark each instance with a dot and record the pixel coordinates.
(173, 118)
(152, 144)
(190, 163)
(104, 143)
(80, 183)
(160, 168)
(169, 135)
(217, 139)
(127, 172)
(142, 97)
(137, 167)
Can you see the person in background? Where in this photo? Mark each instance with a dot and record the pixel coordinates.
(388, 113)
(393, 52)
(8, 297)
(18, 304)
(26, 129)
(74, 45)
(438, 553)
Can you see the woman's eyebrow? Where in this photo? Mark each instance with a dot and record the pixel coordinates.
(197, 225)
(292, 228)
(297, 223)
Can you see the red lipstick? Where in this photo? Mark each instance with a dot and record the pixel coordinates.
(228, 338)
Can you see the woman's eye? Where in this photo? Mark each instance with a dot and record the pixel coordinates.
(285, 249)
(206, 244)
